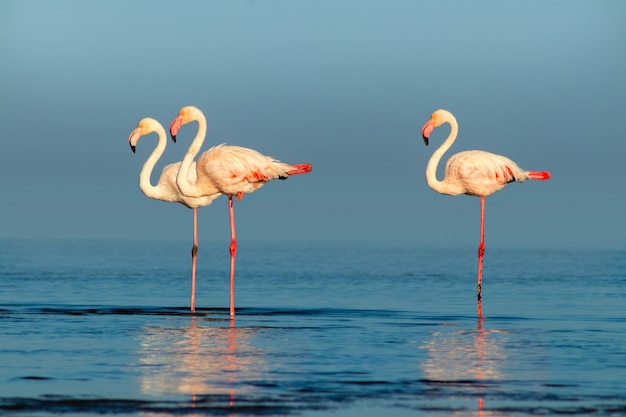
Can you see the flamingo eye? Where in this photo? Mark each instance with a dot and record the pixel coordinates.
(185, 112)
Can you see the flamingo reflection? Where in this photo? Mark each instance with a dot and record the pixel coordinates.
(198, 360)
(469, 358)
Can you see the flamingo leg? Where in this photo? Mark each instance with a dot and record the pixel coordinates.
(481, 253)
(233, 251)
(194, 255)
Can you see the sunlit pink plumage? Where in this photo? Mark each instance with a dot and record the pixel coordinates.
(166, 188)
(475, 173)
(233, 170)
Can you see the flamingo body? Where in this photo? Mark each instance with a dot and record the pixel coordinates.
(236, 170)
(170, 192)
(166, 188)
(480, 173)
(232, 170)
(475, 173)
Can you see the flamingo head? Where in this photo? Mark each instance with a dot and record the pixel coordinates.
(145, 127)
(185, 115)
(438, 118)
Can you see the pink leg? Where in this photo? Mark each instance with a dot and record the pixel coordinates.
(194, 253)
(233, 251)
(481, 253)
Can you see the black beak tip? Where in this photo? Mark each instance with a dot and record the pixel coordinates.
(173, 138)
(132, 148)
(425, 140)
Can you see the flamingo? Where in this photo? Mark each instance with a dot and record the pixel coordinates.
(166, 189)
(233, 170)
(475, 173)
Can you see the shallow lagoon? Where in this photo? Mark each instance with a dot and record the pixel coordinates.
(92, 327)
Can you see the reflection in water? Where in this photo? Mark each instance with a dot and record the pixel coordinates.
(198, 360)
(468, 358)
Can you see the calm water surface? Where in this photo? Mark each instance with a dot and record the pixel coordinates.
(102, 327)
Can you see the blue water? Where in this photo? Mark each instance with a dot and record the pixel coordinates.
(102, 327)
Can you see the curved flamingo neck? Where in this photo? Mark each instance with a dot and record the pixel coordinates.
(182, 179)
(146, 172)
(433, 162)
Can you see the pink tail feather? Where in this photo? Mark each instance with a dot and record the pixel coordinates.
(538, 175)
(300, 169)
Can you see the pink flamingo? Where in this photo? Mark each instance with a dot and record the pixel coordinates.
(233, 170)
(475, 173)
(166, 189)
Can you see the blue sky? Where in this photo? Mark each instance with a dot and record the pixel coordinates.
(343, 85)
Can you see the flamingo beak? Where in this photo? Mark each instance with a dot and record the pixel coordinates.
(427, 130)
(133, 138)
(175, 126)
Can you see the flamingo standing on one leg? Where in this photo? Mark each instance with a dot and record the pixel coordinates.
(233, 170)
(166, 189)
(476, 173)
